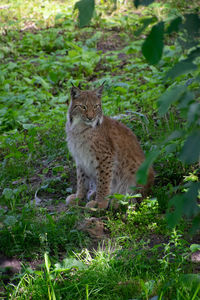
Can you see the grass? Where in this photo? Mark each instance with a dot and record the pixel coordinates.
(139, 256)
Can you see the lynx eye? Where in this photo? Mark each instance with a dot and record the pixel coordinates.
(83, 107)
(97, 106)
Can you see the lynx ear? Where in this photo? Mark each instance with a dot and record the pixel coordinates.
(99, 90)
(75, 92)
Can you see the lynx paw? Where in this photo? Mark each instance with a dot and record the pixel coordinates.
(92, 204)
(103, 204)
(95, 204)
(71, 200)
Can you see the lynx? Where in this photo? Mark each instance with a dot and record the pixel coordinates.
(106, 152)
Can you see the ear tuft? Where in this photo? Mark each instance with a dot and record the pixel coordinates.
(75, 92)
(99, 90)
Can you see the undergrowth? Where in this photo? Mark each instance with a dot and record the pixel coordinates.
(42, 52)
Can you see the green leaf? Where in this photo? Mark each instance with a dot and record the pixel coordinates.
(184, 205)
(152, 47)
(190, 205)
(194, 54)
(141, 176)
(186, 99)
(86, 9)
(195, 247)
(58, 169)
(54, 76)
(145, 22)
(185, 66)
(47, 262)
(193, 113)
(182, 67)
(142, 2)
(192, 24)
(117, 196)
(174, 135)
(11, 66)
(68, 264)
(171, 95)
(1, 55)
(170, 148)
(191, 150)
(174, 217)
(195, 224)
(28, 126)
(41, 81)
(10, 221)
(59, 16)
(174, 25)
(8, 194)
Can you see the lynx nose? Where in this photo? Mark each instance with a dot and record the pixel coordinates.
(90, 118)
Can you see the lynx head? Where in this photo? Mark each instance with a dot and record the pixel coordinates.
(85, 107)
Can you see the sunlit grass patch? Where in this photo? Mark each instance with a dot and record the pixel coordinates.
(108, 272)
(33, 15)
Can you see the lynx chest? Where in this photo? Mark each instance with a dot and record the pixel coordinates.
(79, 145)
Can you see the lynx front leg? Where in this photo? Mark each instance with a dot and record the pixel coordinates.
(103, 184)
(82, 187)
